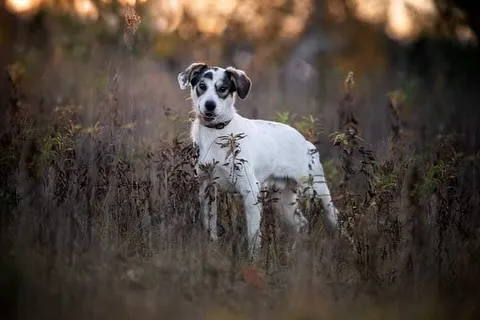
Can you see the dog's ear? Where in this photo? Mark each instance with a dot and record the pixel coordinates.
(241, 81)
(185, 77)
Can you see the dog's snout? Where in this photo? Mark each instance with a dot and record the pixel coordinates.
(210, 105)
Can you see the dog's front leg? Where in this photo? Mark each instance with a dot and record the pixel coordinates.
(249, 188)
(208, 207)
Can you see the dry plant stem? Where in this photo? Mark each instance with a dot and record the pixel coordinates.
(268, 224)
(132, 21)
(347, 140)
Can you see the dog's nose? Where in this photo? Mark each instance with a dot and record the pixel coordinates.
(210, 105)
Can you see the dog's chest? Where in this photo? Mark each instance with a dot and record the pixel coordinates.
(220, 146)
(218, 161)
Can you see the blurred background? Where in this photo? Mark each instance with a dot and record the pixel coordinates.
(297, 53)
(97, 197)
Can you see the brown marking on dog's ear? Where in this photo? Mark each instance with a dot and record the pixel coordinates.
(241, 80)
(188, 74)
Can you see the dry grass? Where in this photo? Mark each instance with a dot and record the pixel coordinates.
(99, 215)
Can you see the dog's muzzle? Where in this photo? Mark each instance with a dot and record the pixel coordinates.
(208, 116)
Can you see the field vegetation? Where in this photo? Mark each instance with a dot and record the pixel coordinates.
(99, 206)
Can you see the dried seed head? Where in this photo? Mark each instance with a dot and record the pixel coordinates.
(132, 21)
(349, 83)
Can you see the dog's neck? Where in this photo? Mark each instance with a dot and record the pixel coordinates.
(218, 125)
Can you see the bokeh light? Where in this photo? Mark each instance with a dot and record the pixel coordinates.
(24, 7)
(86, 9)
(402, 19)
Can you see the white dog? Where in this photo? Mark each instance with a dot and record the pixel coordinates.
(263, 153)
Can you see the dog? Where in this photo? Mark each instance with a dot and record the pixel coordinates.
(248, 154)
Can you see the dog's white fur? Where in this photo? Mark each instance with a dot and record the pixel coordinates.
(273, 152)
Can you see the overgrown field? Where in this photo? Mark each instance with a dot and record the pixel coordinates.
(99, 213)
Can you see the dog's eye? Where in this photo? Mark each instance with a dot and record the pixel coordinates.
(222, 89)
(202, 86)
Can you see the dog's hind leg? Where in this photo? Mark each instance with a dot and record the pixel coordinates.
(287, 207)
(322, 191)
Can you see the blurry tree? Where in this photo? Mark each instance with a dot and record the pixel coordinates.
(267, 26)
(311, 41)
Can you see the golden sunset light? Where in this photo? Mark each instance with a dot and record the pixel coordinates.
(400, 18)
(23, 6)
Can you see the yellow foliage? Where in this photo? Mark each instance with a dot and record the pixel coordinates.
(365, 53)
(166, 45)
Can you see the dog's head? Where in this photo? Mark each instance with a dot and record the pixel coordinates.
(213, 90)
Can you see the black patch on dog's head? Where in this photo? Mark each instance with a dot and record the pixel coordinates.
(208, 75)
(205, 74)
(198, 76)
(225, 82)
(198, 91)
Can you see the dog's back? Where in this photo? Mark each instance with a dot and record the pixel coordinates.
(277, 150)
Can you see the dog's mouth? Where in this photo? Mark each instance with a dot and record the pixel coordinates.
(208, 117)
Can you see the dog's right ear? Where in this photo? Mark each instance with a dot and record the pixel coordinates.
(185, 77)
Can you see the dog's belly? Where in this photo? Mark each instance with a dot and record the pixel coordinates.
(225, 184)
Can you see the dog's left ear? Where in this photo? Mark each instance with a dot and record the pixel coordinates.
(188, 74)
(241, 81)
